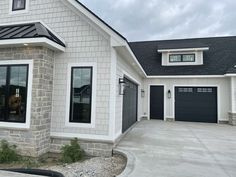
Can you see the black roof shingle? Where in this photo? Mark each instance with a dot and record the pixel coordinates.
(218, 60)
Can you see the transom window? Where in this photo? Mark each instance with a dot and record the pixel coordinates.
(81, 94)
(18, 5)
(182, 58)
(13, 93)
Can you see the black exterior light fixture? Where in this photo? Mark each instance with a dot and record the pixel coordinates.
(142, 93)
(169, 94)
(122, 86)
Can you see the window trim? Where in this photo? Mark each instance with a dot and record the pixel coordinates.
(18, 11)
(26, 124)
(91, 81)
(182, 55)
(8, 91)
(93, 95)
(23, 8)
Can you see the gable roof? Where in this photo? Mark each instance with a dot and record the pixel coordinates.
(218, 60)
(25, 31)
(115, 31)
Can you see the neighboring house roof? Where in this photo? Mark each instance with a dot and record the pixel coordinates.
(218, 60)
(24, 31)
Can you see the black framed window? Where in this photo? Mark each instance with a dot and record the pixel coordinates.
(173, 58)
(13, 93)
(18, 5)
(81, 94)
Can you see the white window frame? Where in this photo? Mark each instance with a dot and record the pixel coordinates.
(12, 12)
(181, 63)
(68, 95)
(25, 125)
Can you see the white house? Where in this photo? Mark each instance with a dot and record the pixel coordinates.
(65, 73)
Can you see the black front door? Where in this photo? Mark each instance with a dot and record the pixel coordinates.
(157, 102)
(130, 103)
(196, 104)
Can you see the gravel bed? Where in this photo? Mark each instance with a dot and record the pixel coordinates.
(94, 167)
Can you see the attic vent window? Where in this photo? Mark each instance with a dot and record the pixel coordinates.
(18, 5)
(173, 58)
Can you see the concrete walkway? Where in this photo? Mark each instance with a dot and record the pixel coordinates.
(179, 149)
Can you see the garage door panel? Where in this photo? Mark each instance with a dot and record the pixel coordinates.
(129, 105)
(196, 104)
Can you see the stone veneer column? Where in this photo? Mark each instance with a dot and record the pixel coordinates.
(42, 101)
(36, 140)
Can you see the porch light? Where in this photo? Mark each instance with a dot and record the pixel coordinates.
(169, 94)
(122, 86)
(142, 93)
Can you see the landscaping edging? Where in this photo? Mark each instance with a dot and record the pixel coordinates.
(130, 162)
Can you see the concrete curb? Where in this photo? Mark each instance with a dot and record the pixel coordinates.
(130, 162)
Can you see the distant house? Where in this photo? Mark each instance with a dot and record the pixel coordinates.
(65, 73)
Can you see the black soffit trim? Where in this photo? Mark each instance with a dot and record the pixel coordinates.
(29, 30)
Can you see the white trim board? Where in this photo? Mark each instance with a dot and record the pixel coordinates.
(94, 95)
(25, 125)
(183, 49)
(185, 76)
(32, 42)
(26, 10)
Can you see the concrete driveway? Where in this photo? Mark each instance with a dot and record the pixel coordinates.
(180, 149)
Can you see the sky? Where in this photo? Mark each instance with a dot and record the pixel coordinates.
(141, 20)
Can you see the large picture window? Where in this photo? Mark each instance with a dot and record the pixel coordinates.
(81, 94)
(13, 93)
(18, 5)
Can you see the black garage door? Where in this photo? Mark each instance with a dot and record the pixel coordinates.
(130, 103)
(196, 104)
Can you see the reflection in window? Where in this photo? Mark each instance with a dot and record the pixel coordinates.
(18, 5)
(13, 93)
(81, 94)
(3, 75)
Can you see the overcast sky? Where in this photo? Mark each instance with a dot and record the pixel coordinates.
(167, 19)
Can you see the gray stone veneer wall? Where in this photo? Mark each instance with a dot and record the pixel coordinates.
(36, 140)
(232, 119)
(92, 148)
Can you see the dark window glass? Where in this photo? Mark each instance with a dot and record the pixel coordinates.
(175, 58)
(81, 94)
(182, 58)
(18, 5)
(3, 76)
(13, 93)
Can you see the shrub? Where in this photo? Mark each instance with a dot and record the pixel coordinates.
(8, 152)
(72, 153)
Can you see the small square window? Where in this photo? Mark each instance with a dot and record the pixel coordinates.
(18, 5)
(175, 58)
(188, 58)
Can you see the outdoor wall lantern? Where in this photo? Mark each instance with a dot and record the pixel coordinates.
(142, 93)
(169, 94)
(122, 86)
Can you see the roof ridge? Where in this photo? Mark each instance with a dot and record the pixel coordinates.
(179, 39)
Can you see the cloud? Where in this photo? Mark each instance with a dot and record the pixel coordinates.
(167, 19)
